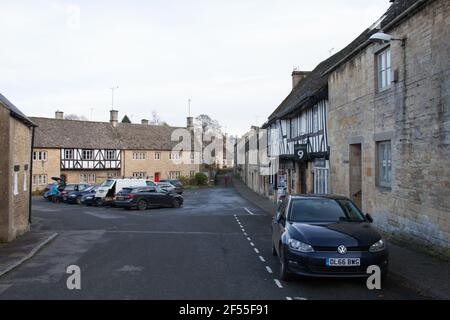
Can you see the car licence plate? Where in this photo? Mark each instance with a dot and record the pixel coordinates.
(343, 262)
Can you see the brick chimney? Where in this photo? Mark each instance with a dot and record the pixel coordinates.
(114, 117)
(59, 115)
(144, 122)
(298, 76)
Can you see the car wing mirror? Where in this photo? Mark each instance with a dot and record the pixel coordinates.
(369, 218)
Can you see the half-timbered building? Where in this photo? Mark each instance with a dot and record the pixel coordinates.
(297, 132)
(90, 152)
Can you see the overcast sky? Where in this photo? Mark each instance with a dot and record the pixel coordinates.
(233, 58)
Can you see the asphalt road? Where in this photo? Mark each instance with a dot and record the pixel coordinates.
(216, 247)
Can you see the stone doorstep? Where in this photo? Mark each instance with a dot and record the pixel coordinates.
(416, 270)
(15, 253)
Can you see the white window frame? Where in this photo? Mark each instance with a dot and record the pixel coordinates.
(384, 163)
(110, 154)
(85, 152)
(140, 175)
(384, 69)
(40, 155)
(174, 175)
(158, 156)
(139, 155)
(68, 154)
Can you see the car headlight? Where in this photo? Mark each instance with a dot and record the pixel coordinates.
(299, 246)
(378, 246)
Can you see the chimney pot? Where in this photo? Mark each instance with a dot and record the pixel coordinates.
(114, 117)
(59, 115)
(144, 122)
(298, 76)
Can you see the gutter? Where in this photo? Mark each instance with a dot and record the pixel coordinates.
(385, 28)
(31, 175)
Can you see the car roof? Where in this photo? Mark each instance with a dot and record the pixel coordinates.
(319, 196)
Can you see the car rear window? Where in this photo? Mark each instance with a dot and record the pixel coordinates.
(70, 188)
(323, 210)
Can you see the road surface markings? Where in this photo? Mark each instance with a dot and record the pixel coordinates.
(289, 298)
(278, 283)
(262, 259)
(256, 250)
(249, 239)
(269, 270)
(252, 244)
(249, 211)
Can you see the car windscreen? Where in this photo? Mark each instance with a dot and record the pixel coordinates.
(127, 190)
(107, 183)
(324, 210)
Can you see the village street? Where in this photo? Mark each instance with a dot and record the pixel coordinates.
(199, 251)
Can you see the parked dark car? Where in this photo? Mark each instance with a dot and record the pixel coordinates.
(143, 198)
(76, 196)
(325, 236)
(69, 188)
(168, 184)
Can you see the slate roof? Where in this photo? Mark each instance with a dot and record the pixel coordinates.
(314, 87)
(56, 133)
(15, 112)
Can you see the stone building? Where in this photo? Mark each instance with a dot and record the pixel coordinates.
(91, 152)
(16, 135)
(389, 122)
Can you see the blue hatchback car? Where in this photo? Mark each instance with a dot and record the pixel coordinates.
(325, 236)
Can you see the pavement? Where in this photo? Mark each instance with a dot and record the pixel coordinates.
(216, 247)
(413, 269)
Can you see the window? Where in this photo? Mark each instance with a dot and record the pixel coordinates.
(174, 175)
(110, 155)
(315, 119)
(384, 164)
(192, 174)
(40, 155)
(384, 69)
(87, 155)
(139, 175)
(68, 154)
(139, 155)
(111, 175)
(157, 155)
(16, 183)
(39, 179)
(174, 156)
(87, 178)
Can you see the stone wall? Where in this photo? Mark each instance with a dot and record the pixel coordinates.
(4, 174)
(150, 165)
(413, 114)
(50, 167)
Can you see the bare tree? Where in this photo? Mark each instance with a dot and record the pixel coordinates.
(205, 122)
(156, 120)
(76, 117)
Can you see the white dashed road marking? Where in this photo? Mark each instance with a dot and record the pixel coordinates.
(262, 259)
(278, 283)
(288, 298)
(249, 211)
(269, 270)
(252, 244)
(256, 250)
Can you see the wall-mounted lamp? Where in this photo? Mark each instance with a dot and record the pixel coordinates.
(381, 37)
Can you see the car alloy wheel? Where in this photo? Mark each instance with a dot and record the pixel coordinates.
(176, 203)
(274, 251)
(142, 205)
(99, 202)
(284, 274)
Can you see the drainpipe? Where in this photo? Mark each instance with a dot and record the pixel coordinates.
(31, 175)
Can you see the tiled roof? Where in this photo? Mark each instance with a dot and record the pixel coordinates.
(56, 133)
(15, 112)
